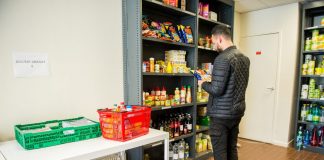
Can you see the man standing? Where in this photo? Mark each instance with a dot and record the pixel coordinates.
(226, 104)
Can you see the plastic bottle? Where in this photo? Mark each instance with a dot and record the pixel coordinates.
(186, 154)
(321, 137)
(316, 114)
(188, 96)
(314, 139)
(306, 140)
(169, 67)
(151, 64)
(303, 113)
(175, 152)
(181, 150)
(299, 139)
(129, 108)
(322, 116)
(177, 96)
(170, 151)
(183, 95)
(189, 124)
(310, 113)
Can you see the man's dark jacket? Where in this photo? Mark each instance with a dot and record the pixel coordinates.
(229, 82)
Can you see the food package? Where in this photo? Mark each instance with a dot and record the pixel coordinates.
(172, 31)
(188, 33)
(182, 34)
(163, 35)
(201, 75)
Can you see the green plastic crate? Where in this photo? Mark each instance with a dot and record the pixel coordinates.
(56, 136)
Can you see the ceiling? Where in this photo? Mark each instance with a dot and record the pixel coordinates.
(252, 5)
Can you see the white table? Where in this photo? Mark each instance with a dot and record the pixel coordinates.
(82, 150)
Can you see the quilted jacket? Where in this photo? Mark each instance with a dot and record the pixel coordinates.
(229, 82)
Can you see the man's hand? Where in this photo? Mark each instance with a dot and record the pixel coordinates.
(200, 82)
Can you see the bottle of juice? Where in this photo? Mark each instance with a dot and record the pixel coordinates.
(188, 96)
(183, 95)
(177, 96)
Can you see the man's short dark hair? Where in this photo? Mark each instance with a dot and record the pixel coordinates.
(222, 30)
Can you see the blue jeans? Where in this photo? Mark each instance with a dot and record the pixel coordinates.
(223, 134)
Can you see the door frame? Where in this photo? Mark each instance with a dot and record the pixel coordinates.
(276, 91)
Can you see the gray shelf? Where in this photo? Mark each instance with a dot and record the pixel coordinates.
(155, 40)
(313, 76)
(181, 137)
(158, 108)
(167, 9)
(213, 22)
(312, 28)
(202, 129)
(204, 155)
(311, 123)
(168, 74)
(202, 103)
(206, 49)
(312, 100)
(314, 149)
(320, 52)
(171, 140)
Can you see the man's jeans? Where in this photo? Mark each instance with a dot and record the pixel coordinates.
(223, 133)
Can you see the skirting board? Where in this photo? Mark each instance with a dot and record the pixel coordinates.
(283, 144)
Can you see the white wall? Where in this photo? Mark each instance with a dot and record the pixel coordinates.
(83, 40)
(285, 20)
(237, 28)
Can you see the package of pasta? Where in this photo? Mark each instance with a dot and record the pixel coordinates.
(172, 32)
(182, 34)
(189, 36)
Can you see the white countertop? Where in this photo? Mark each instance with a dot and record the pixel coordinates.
(82, 150)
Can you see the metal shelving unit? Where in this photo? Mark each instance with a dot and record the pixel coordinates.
(138, 49)
(310, 10)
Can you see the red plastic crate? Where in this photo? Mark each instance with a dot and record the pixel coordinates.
(124, 126)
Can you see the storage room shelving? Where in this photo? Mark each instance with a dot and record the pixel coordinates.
(311, 12)
(138, 48)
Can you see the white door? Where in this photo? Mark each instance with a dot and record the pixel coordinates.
(257, 123)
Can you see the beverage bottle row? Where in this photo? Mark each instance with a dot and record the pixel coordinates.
(177, 124)
(179, 151)
(312, 113)
(313, 137)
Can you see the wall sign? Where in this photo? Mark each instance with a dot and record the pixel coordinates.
(30, 64)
